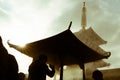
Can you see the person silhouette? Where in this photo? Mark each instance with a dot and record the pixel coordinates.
(3, 61)
(8, 64)
(12, 68)
(21, 76)
(97, 75)
(39, 69)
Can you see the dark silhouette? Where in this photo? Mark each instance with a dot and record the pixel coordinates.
(8, 64)
(21, 76)
(3, 61)
(62, 49)
(39, 69)
(12, 68)
(97, 75)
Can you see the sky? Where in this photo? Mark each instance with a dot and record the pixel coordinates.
(23, 21)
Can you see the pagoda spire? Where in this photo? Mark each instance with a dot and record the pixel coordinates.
(83, 19)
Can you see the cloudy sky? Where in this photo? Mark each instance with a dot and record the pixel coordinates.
(23, 21)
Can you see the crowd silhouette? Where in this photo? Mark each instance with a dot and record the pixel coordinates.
(9, 69)
(38, 69)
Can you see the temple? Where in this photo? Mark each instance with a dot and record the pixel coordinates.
(89, 36)
(65, 49)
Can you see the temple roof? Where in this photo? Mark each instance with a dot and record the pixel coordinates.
(64, 45)
(91, 39)
(91, 36)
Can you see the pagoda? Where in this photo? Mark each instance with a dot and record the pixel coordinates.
(90, 38)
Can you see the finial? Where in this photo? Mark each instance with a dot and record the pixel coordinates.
(83, 3)
(83, 20)
(70, 25)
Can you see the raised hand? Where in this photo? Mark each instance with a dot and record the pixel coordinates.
(51, 66)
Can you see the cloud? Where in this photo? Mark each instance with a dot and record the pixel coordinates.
(103, 20)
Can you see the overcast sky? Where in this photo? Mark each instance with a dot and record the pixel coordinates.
(30, 20)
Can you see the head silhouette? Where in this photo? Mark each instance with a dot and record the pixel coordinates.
(43, 58)
(0, 40)
(97, 75)
(21, 76)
